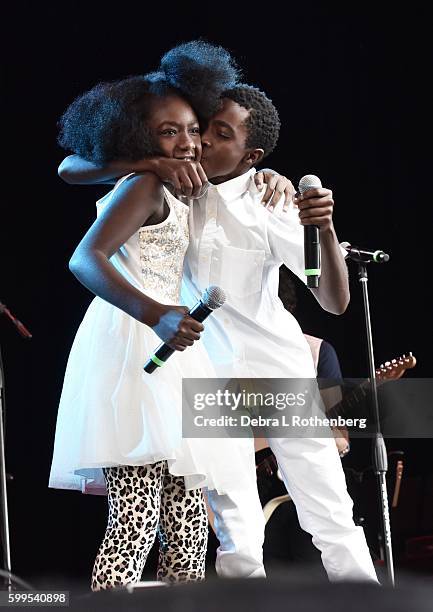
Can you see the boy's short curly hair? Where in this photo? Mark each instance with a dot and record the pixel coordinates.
(109, 121)
(263, 123)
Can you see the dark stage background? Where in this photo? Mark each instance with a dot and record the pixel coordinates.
(350, 85)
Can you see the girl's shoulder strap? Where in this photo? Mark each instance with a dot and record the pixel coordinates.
(173, 200)
(103, 201)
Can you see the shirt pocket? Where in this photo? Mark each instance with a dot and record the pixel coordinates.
(242, 270)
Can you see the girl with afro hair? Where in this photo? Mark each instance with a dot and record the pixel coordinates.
(107, 131)
(119, 429)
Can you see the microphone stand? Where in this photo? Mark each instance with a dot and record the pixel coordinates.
(380, 459)
(24, 332)
(3, 487)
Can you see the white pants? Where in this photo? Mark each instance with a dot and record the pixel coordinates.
(314, 477)
(240, 527)
(315, 480)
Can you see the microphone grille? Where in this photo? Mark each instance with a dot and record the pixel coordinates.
(213, 297)
(308, 181)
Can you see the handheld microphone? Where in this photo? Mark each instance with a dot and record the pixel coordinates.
(364, 255)
(311, 237)
(213, 297)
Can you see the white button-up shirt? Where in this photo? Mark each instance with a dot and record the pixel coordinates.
(237, 244)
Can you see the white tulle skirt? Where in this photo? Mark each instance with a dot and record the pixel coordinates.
(113, 413)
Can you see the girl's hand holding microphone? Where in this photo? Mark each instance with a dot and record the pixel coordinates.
(176, 328)
(179, 327)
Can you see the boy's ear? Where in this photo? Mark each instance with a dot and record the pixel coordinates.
(254, 156)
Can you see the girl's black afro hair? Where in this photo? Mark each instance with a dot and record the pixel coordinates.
(109, 121)
(201, 71)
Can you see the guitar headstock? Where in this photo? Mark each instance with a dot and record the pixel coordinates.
(394, 369)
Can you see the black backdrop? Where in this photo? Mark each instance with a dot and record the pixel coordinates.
(350, 83)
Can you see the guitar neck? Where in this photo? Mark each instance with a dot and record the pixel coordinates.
(350, 401)
(392, 370)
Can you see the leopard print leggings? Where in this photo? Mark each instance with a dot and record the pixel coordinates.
(144, 501)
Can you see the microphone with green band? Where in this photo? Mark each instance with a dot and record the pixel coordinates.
(311, 237)
(213, 297)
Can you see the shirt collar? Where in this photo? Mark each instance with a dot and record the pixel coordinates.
(232, 189)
